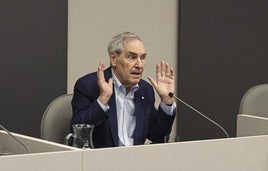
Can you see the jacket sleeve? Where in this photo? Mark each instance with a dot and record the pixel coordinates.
(160, 124)
(86, 109)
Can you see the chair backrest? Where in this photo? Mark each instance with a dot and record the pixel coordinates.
(55, 124)
(255, 101)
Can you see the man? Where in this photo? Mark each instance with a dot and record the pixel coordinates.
(119, 103)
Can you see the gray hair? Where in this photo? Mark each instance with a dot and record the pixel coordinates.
(117, 42)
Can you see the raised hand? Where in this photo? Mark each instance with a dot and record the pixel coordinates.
(164, 83)
(106, 88)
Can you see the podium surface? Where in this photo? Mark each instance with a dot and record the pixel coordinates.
(250, 125)
(232, 154)
(228, 154)
(43, 155)
(10, 145)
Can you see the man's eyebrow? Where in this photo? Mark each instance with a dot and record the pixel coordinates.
(133, 53)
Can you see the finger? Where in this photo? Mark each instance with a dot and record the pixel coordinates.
(167, 68)
(171, 73)
(100, 66)
(100, 73)
(163, 72)
(158, 70)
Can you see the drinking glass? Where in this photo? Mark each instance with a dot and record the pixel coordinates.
(171, 138)
(81, 136)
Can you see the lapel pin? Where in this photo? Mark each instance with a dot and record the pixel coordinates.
(142, 97)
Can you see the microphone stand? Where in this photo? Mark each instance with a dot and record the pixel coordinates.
(186, 104)
(19, 141)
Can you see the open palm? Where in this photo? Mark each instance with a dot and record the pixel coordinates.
(164, 83)
(106, 88)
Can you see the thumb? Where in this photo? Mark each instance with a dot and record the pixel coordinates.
(153, 82)
(110, 82)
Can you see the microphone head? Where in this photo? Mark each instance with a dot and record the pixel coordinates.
(170, 94)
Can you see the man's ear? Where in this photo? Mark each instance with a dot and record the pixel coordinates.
(113, 58)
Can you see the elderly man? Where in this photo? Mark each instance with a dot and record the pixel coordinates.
(119, 103)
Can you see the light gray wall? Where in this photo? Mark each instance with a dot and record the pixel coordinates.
(93, 23)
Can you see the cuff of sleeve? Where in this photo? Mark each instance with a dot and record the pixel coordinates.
(105, 108)
(169, 110)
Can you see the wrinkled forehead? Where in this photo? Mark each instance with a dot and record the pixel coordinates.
(135, 46)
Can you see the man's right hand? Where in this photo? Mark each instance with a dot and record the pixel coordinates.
(106, 88)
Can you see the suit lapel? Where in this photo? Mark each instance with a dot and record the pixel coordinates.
(113, 119)
(140, 107)
(112, 110)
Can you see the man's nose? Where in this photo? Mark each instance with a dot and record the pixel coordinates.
(139, 62)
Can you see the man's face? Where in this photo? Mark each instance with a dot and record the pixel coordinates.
(129, 65)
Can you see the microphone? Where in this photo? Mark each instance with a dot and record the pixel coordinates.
(19, 141)
(186, 104)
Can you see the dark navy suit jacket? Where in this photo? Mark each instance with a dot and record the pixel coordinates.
(150, 123)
